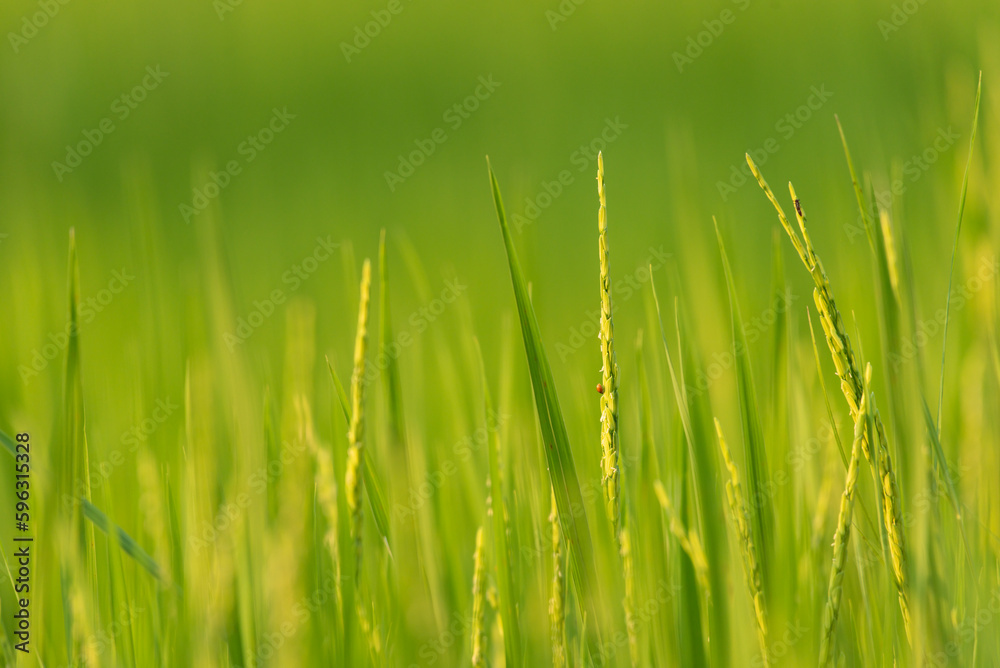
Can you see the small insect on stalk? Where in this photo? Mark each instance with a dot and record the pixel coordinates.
(608, 388)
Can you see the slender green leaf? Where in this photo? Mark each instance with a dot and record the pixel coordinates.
(513, 650)
(555, 442)
(126, 542)
(954, 249)
(390, 371)
(754, 449)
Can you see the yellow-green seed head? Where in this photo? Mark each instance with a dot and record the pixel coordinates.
(355, 435)
(609, 365)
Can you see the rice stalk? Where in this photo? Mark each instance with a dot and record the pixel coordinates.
(688, 540)
(698, 462)
(374, 489)
(496, 510)
(555, 442)
(78, 563)
(842, 535)
(751, 565)
(851, 385)
(479, 647)
(390, 368)
(353, 481)
(761, 515)
(610, 474)
(628, 563)
(326, 499)
(557, 600)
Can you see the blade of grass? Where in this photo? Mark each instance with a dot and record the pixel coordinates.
(390, 370)
(945, 471)
(954, 249)
(698, 464)
(754, 450)
(125, 541)
(555, 441)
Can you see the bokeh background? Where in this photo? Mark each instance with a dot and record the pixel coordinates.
(560, 80)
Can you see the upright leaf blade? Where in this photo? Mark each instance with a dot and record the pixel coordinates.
(505, 575)
(555, 441)
(754, 450)
(954, 250)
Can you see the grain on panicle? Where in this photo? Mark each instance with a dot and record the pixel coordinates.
(741, 520)
(355, 436)
(608, 388)
(843, 533)
(852, 385)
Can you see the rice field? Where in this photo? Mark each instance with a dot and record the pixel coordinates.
(670, 396)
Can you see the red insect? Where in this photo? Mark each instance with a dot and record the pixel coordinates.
(600, 389)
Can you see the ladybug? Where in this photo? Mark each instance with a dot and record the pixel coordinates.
(600, 389)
